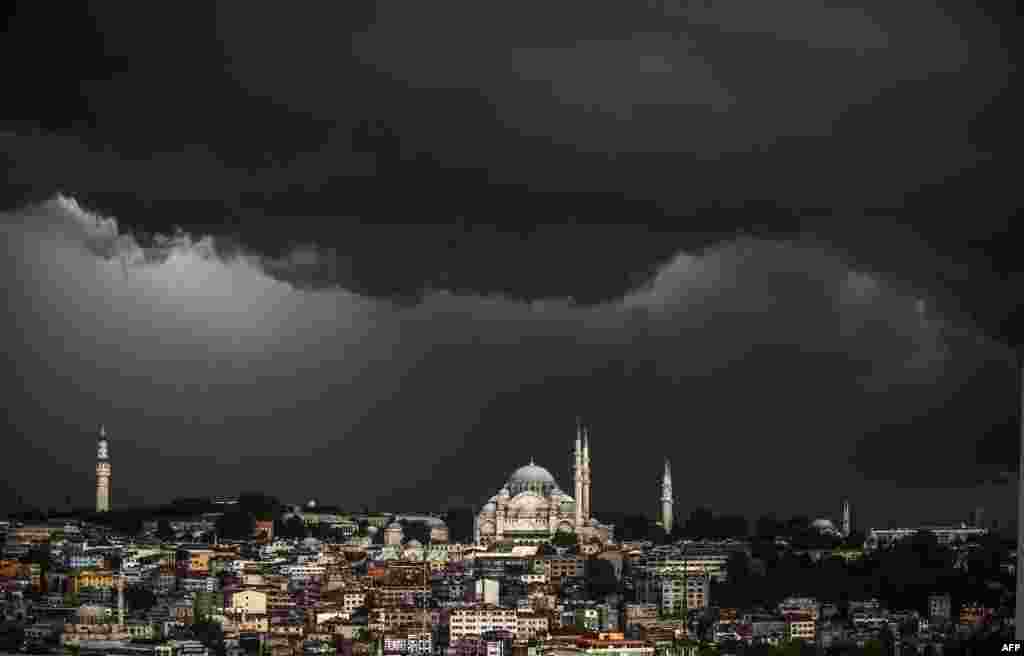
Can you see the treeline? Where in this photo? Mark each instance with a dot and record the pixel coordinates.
(703, 524)
(902, 576)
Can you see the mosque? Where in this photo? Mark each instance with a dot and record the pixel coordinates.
(530, 508)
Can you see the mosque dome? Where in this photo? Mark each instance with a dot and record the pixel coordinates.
(394, 526)
(823, 525)
(414, 544)
(311, 504)
(532, 473)
(490, 507)
(372, 530)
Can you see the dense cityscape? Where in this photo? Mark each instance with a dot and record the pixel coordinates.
(532, 571)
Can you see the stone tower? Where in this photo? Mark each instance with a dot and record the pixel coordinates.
(102, 473)
(666, 498)
(586, 476)
(577, 475)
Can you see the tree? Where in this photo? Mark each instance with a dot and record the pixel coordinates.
(855, 540)
(211, 634)
(737, 568)
(767, 526)
(139, 598)
(732, 526)
(259, 505)
(600, 578)
(564, 539)
(236, 525)
(164, 530)
(700, 524)
(294, 527)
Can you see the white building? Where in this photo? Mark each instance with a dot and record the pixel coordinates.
(530, 508)
(877, 537)
(414, 644)
(474, 620)
(488, 591)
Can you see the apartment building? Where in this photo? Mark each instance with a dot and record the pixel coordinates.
(801, 627)
(678, 594)
(530, 625)
(475, 620)
(613, 644)
(409, 643)
(398, 617)
(559, 567)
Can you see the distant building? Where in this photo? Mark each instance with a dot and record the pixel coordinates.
(613, 644)
(408, 643)
(487, 591)
(265, 530)
(940, 606)
(393, 534)
(877, 538)
(475, 620)
(681, 593)
(801, 627)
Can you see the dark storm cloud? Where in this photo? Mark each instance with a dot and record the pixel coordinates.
(213, 353)
(301, 312)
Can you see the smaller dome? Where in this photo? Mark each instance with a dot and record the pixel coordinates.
(823, 524)
(311, 504)
(414, 544)
(490, 507)
(372, 530)
(503, 492)
(394, 526)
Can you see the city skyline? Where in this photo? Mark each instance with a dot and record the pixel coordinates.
(841, 519)
(371, 269)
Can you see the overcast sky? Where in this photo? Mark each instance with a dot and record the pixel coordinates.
(386, 254)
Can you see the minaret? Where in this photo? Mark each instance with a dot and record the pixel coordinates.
(120, 599)
(666, 498)
(578, 475)
(847, 524)
(586, 476)
(102, 473)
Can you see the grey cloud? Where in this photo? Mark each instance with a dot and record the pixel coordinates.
(616, 76)
(808, 21)
(217, 356)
